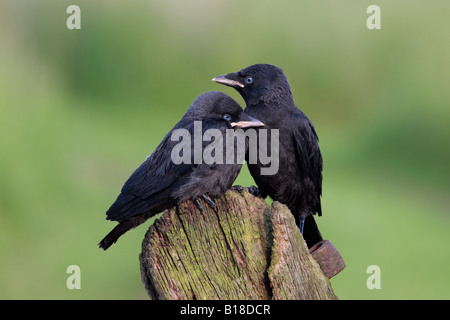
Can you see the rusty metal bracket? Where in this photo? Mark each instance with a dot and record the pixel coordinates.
(328, 258)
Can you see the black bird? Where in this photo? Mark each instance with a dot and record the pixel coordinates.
(161, 183)
(298, 182)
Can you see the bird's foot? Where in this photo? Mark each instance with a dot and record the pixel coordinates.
(198, 204)
(254, 191)
(237, 188)
(207, 199)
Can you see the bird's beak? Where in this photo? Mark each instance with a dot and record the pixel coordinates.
(228, 82)
(250, 123)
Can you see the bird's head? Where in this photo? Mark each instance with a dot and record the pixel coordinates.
(219, 106)
(258, 83)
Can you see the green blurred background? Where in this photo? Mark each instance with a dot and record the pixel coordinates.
(81, 109)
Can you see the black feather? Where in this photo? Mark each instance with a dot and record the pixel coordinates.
(298, 182)
(159, 183)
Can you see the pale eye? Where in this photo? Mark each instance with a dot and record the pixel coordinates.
(227, 117)
(249, 80)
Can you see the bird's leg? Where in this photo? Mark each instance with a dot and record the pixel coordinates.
(254, 191)
(237, 188)
(302, 224)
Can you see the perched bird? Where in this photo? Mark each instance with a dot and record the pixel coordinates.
(298, 182)
(160, 182)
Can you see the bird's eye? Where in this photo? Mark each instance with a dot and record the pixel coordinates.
(227, 117)
(249, 80)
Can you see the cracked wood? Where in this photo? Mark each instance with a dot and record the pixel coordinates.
(245, 250)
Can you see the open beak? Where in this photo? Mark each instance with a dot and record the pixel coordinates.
(228, 82)
(250, 123)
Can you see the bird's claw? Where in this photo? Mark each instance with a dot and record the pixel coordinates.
(237, 188)
(254, 191)
(207, 199)
(196, 200)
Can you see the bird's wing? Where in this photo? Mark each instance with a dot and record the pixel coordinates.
(309, 157)
(150, 184)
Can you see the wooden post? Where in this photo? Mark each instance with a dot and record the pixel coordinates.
(245, 250)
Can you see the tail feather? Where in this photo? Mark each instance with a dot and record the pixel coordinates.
(311, 232)
(114, 235)
(122, 228)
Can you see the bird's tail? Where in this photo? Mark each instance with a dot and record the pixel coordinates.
(120, 229)
(311, 232)
(114, 235)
